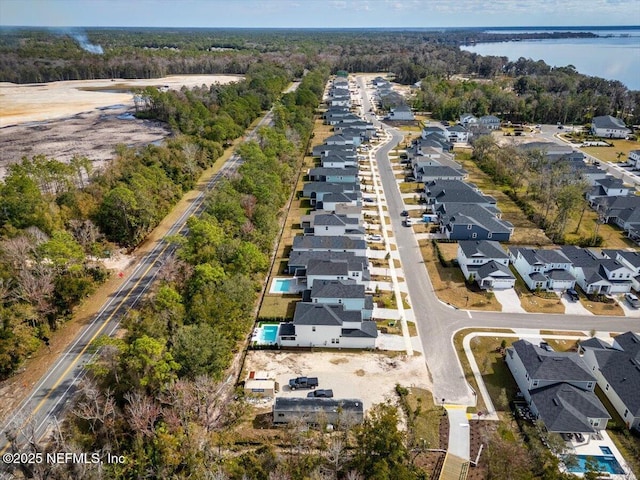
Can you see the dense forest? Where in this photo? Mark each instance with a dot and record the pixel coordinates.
(58, 219)
(526, 90)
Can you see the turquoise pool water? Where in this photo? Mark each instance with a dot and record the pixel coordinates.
(268, 334)
(281, 285)
(607, 463)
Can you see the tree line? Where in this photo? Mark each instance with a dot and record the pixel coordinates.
(57, 220)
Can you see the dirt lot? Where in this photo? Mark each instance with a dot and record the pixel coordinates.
(371, 377)
(87, 118)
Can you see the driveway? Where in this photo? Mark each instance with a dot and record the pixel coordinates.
(629, 311)
(571, 307)
(509, 300)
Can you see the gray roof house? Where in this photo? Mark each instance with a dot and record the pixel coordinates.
(320, 223)
(429, 173)
(471, 221)
(341, 292)
(617, 370)
(334, 175)
(559, 388)
(401, 112)
(608, 186)
(315, 191)
(437, 192)
(486, 262)
(324, 325)
(609, 127)
(318, 411)
(319, 269)
(630, 259)
(543, 269)
(597, 275)
(323, 150)
(489, 121)
(357, 246)
(299, 260)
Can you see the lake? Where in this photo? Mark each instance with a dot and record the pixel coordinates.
(615, 57)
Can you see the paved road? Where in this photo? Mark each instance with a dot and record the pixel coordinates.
(52, 393)
(438, 322)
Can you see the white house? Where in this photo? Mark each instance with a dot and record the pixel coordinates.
(634, 158)
(341, 292)
(559, 388)
(597, 275)
(485, 262)
(332, 225)
(401, 112)
(310, 243)
(608, 186)
(631, 260)
(458, 134)
(321, 325)
(467, 119)
(490, 122)
(333, 269)
(609, 127)
(543, 269)
(617, 371)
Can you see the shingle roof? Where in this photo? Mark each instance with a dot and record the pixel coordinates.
(607, 121)
(302, 242)
(323, 314)
(301, 258)
(494, 270)
(535, 256)
(455, 191)
(551, 366)
(337, 289)
(368, 329)
(317, 405)
(473, 214)
(482, 248)
(565, 408)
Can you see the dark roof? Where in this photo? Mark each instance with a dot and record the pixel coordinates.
(319, 266)
(494, 269)
(312, 405)
(303, 242)
(559, 275)
(607, 121)
(473, 214)
(535, 256)
(368, 329)
(328, 187)
(482, 248)
(595, 342)
(337, 289)
(286, 329)
(441, 171)
(455, 191)
(324, 314)
(565, 408)
(301, 258)
(551, 366)
(631, 257)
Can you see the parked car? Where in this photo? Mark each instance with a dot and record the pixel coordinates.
(375, 238)
(573, 295)
(406, 222)
(320, 393)
(632, 300)
(303, 383)
(404, 213)
(546, 346)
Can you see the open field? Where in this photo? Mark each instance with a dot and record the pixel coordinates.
(84, 118)
(610, 154)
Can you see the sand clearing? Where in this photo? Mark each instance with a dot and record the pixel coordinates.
(63, 119)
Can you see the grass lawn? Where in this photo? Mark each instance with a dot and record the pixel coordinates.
(610, 154)
(600, 308)
(411, 187)
(427, 424)
(628, 444)
(494, 370)
(468, 375)
(278, 306)
(542, 302)
(449, 284)
(448, 250)
(562, 345)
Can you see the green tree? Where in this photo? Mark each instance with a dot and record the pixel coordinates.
(148, 364)
(201, 351)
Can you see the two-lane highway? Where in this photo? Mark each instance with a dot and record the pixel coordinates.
(49, 397)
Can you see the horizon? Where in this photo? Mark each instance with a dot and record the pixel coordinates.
(318, 14)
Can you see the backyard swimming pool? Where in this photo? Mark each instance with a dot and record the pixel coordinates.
(266, 334)
(281, 285)
(607, 463)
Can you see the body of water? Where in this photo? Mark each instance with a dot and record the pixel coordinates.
(614, 57)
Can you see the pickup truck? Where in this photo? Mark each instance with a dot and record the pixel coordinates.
(319, 393)
(303, 383)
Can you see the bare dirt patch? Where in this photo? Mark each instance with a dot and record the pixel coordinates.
(369, 376)
(84, 118)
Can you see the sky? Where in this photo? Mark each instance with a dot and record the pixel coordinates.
(318, 13)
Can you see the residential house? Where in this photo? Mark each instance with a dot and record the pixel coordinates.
(437, 192)
(490, 122)
(467, 119)
(320, 223)
(401, 112)
(543, 269)
(609, 127)
(318, 411)
(472, 221)
(617, 370)
(341, 292)
(315, 191)
(338, 140)
(346, 269)
(559, 388)
(597, 275)
(299, 260)
(458, 134)
(347, 151)
(310, 243)
(487, 263)
(607, 187)
(423, 173)
(334, 175)
(331, 201)
(631, 260)
(335, 160)
(322, 325)
(634, 158)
